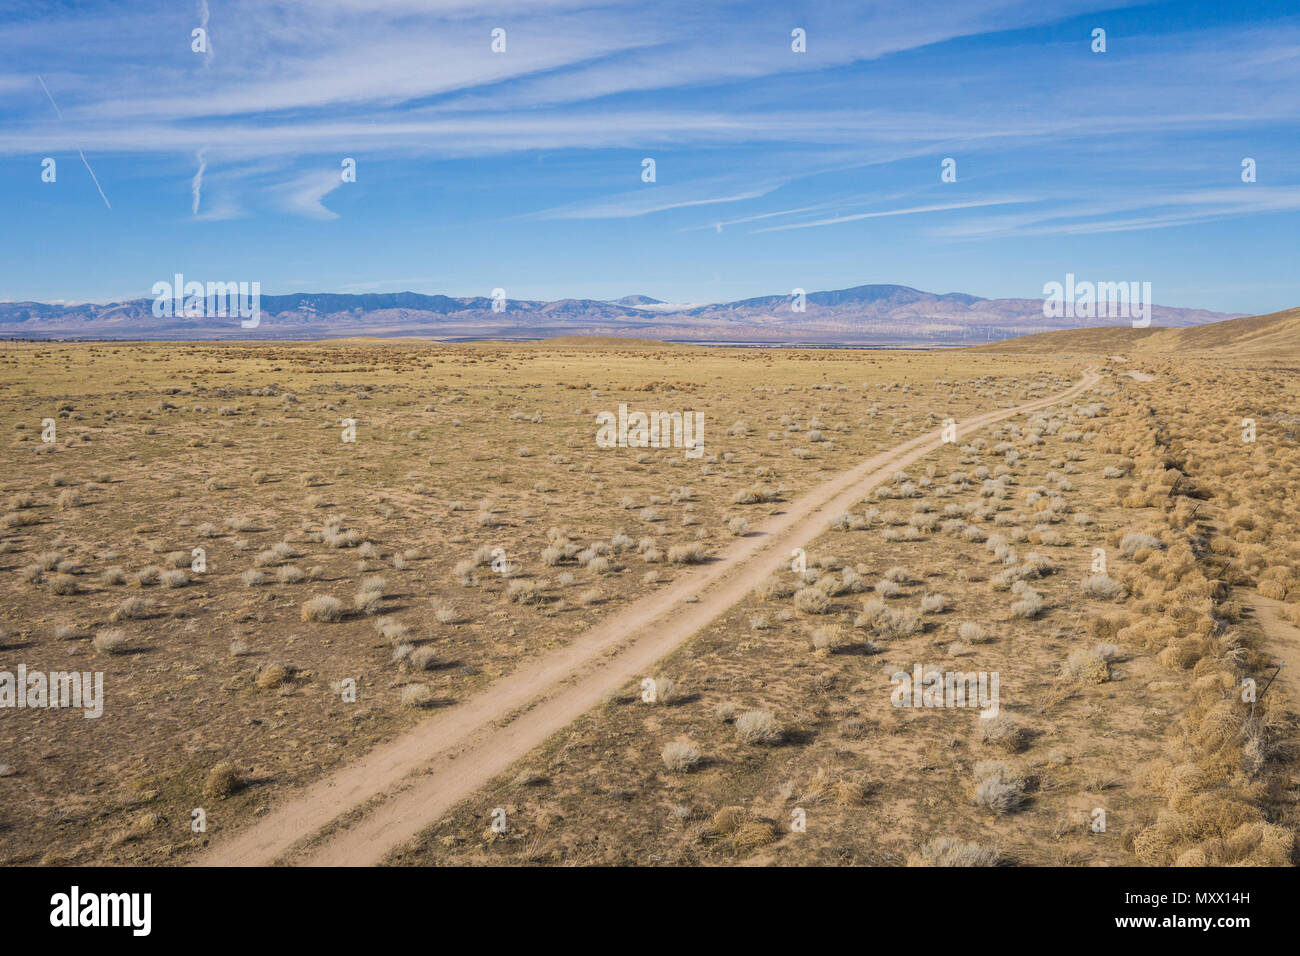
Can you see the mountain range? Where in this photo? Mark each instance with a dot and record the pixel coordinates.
(866, 315)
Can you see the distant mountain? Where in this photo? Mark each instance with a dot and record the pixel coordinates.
(866, 315)
(638, 300)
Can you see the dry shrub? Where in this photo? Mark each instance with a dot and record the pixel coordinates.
(775, 588)
(687, 554)
(934, 604)
(873, 609)
(524, 592)
(898, 623)
(1004, 733)
(1029, 603)
(147, 576)
(759, 727)
(730, 819)
(1276, 582)
(664, 691)
(322, 608)
(221, 781)
(64, 584)
(1106, 626)
(1136, 541)
(997, 787)
(812, 601)
(423, 659)
(416, 695)
(1102, 587)
(1183, 653)
(827, 638)
(1216, 830)
(680, 756)
(133, 608)
(1086, 666)
(949, 851)
(111, 641)
(367, 601)
(272, 676)
(173, 579)
(750, 836)
(392, 630)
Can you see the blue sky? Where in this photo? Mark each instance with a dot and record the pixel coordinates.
(774, 169)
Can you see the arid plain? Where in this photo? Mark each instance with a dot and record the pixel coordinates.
(289, 559)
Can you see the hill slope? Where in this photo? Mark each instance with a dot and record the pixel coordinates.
(1273, 336)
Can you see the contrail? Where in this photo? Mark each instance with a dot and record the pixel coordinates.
(196, 184)
(204, 15)
(84, 161)
(57, 111)
(95, 179)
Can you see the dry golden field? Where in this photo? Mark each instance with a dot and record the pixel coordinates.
(474, 525)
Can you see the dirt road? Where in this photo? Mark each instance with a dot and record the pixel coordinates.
(367, 809)
(1281, 639)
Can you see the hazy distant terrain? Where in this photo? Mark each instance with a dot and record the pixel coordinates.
(864, 315)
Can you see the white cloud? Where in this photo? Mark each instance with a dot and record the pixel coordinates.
(1064, 216)
(302, 196)
(910, 211)
(652, 198)
(415, 79)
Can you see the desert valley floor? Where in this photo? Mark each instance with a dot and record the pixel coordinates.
(285, 557)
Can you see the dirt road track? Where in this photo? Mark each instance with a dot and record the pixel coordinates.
(1281, 639)
(365, 810)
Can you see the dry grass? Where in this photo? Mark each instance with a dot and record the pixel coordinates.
(1023, 485)
(287, 502)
